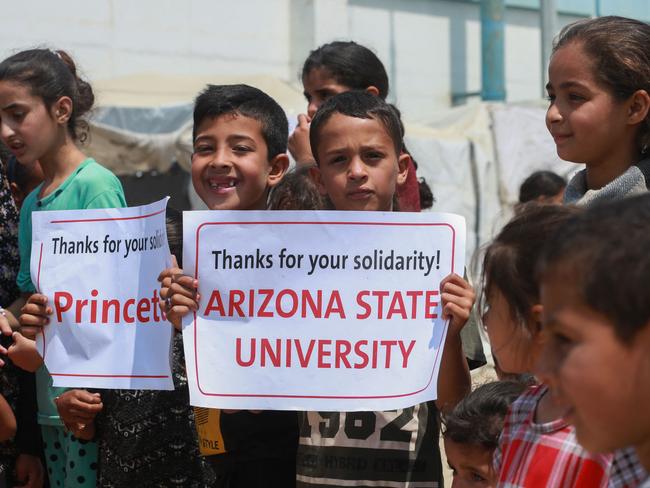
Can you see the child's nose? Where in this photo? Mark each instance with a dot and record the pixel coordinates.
(6, 131)
(356, 169)
(553, 114)
(312, 108)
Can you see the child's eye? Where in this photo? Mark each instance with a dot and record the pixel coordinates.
(574, 97)
(337, 159)
(477, 477)
(241, 148)
(202, 149)
(550, 98)
(374, 155)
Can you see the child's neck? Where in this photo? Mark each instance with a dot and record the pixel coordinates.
(58, 164)
(547, 410)
(600, 174)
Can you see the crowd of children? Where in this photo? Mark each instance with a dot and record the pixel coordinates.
(562, 294)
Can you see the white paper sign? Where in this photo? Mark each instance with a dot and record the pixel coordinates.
(98, 269)
(317, 310)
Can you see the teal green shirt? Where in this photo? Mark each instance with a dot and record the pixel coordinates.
(90, 186)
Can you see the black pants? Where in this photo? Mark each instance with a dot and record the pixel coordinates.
(265, 473)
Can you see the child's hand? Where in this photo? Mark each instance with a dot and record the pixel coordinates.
(457, 301)
(179, 295)
(35, 314)
(29, 471)
(5, 326)
(78, 408)
(299, 145)
(85, 432)
(24, 354)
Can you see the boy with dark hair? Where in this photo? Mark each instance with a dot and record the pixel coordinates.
(594, 276)
(240, 143)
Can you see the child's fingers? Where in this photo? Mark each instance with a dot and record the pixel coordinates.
(463, 302)
(455, 312)
(177, 291)
(185, 281)
(30, 332)
(303, 121)
(5, 328)
(169, 272)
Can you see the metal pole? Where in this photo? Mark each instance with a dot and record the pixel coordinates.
(492, 50)
(548, 27)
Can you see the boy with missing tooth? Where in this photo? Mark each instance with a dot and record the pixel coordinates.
(240, 143)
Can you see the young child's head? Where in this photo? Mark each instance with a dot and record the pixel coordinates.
(41, 102)
(338, 67)
(23, 178)
(174, 225)
(471, 432)
(599, 80)
(357, 142)
(240, 144)
(512, 315)
(296, 191)
(594, 289)
(542, 187)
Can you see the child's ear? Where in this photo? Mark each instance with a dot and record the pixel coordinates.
(62, 110)
(373, 90)
(403, 163)
(279, 166)
(639, 106)
(315, 175)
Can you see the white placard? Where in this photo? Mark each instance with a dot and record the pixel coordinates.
(317, 310)
(99, 270)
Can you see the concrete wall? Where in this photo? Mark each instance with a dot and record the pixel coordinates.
(431, 48)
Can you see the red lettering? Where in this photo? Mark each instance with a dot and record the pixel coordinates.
(316, 308)
(237, 297)
(144, 306)
(238, 357)
(304, 358)
(93, 307)
(342, 350)
(413, 295)
(322, 354)
(406, 352)
(430, 305)
(80, 305)
(388, 345)
(262, 312)
(59, 307)
(294, 303)
(125, 312)
(359, 352)
(154, 302)
(215, 303)
(380, 302)
(267, 350)
(397, 306)
(105, 309)
(364, 305)
(335, 305)
(287, 360)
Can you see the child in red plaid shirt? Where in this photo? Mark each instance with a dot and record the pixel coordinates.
(538, 448)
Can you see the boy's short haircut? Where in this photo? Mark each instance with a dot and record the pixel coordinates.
(217, 100)
(604, 254)
(478, 418)
(361, 105)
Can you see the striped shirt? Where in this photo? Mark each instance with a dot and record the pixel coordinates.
(532, 454)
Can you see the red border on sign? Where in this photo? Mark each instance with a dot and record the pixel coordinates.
(38, 287)
(331, 397)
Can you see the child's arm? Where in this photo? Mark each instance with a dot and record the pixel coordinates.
(454, 381)
(179, 295)
(298, 144)
(7, 420)
(35, 314)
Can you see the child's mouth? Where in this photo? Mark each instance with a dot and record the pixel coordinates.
(222, 185)
(17, 148)
(360, 194)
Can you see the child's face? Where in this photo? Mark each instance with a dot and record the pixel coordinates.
(511, 344)
(27, 127)
(230, 166)
(319, 85)
(358, 167)
(587, 123)
(604, 382)
(472, 465)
